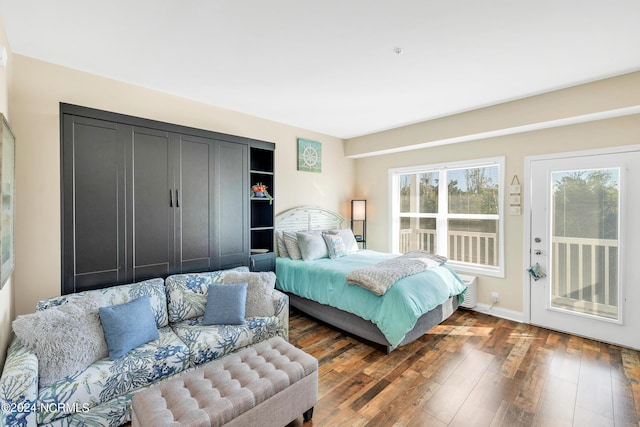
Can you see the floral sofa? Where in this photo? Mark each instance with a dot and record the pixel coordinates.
(101, 394)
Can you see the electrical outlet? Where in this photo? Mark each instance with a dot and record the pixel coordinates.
(494, 297)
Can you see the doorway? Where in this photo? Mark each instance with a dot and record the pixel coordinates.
(583, 243)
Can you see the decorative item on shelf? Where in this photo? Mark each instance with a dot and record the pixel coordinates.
(359, 213)
(259, 191)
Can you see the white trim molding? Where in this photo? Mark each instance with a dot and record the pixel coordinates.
(503, 313)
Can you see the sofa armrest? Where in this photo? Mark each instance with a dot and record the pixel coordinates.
(281, 305)
(19, 387)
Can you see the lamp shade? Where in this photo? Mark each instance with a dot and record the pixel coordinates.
(358, 210)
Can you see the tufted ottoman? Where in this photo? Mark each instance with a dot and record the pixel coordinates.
(268, 384)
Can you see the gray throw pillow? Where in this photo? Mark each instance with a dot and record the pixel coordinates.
(66, 338)
(259, 291)
(312, 245)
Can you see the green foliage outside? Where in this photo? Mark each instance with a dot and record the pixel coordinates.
(470, 191)
(586, 204)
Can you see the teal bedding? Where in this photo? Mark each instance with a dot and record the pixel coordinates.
(395, 313)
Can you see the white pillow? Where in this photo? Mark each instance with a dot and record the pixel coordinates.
(312, 245)
(348, 238)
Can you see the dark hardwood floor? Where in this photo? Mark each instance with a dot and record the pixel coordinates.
(472, 370)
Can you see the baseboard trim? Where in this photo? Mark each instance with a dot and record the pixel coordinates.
(504, 313)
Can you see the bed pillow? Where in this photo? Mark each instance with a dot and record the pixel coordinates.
(66, 338)
(127, 326)
(348, 238)
(282, 248)
(312, 245)
(225, 304)
(291, 242)
(335, 245)
(259, 291)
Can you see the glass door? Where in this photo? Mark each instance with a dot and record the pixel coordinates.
(582, 246)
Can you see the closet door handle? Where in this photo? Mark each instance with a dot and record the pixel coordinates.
(170, 199)
(177, 199)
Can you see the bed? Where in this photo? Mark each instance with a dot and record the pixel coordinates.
(317, 287)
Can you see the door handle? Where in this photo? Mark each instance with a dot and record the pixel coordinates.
(177, 199)
(170, 199)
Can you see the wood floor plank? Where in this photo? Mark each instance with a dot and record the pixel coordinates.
(482, 404)
(557, 403)
(586, 418)
(451, 396)
(515, 357)
(594, 384)
(422, 419)
(387, 405)
(510, 415)
(529, 394)
(414, 397)
(564, 365)
(624, 413)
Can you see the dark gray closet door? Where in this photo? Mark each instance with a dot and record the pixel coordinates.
(153, 198)
(231, 201)
(195, 225)
(93, 237)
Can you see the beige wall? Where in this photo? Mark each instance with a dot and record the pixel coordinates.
(39, 87)
(6, 294)
(372, 172)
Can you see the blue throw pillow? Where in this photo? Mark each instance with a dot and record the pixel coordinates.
(225, 304)
(127, 326)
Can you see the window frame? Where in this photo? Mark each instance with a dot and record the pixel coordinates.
(443, 217)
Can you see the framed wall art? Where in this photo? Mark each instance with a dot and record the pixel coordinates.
(7, 201)
(309, 155)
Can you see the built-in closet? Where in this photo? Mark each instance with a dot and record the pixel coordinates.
(143, 199)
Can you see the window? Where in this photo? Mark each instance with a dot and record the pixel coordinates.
(454, 210)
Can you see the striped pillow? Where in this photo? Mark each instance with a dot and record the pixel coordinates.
(282, 248)
(291, 242)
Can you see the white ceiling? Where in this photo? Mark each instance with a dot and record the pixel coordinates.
(329, 66)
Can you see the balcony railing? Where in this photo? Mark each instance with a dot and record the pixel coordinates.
(465, 246)
(584, 275)
(584, 272)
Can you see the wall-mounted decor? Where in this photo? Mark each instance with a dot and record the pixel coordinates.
(309, 155)
(7, 198)
(514, 196)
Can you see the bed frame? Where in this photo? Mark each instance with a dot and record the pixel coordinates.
(317, 218)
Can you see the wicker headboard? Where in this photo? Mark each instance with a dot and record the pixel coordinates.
(308, 218)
